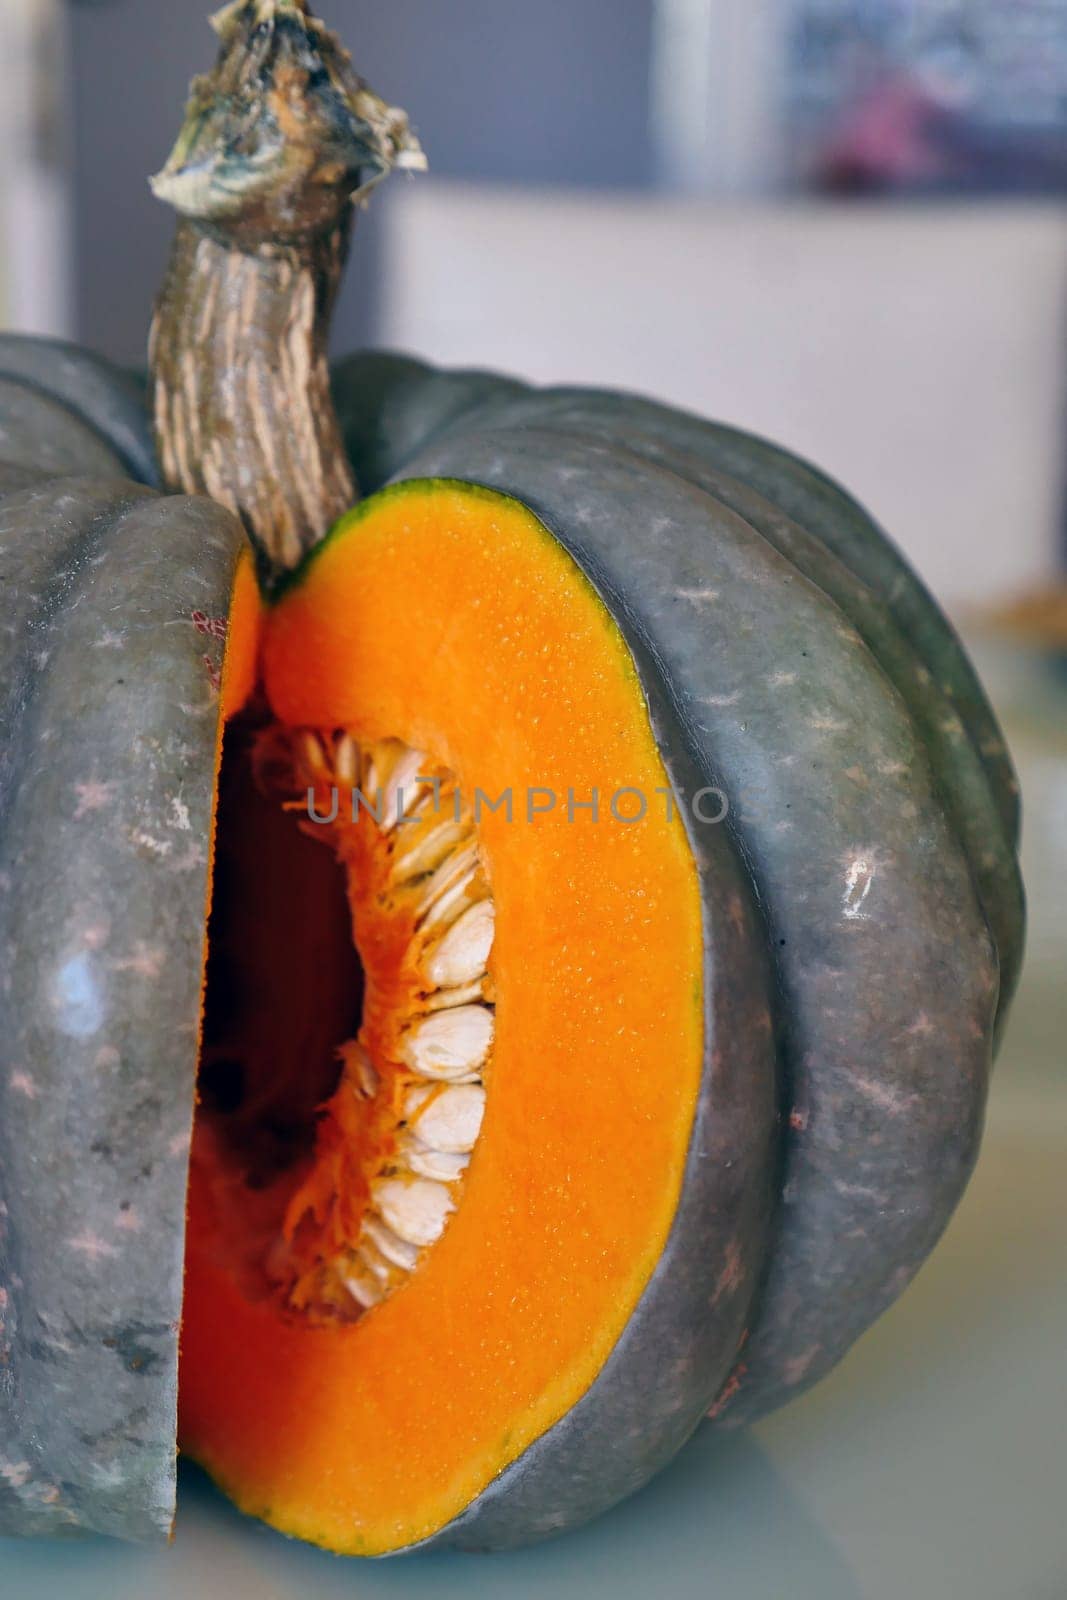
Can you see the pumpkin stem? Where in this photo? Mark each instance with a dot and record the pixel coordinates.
(279, 144)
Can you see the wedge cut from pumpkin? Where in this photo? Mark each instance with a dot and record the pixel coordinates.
(461, 1205)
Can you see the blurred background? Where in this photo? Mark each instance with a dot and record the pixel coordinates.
(838, 222)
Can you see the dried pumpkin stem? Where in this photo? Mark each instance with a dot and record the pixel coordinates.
(279, 144)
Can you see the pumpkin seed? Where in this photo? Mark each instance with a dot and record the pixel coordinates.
(416, 1098)
(366, 1073)
(375, 1261)
(443, 999)
(416, 1210)
(401, 791)
(427, 1163)
(346, 760)
(428, 849)
(448, 1044)
(313, 755)
(432, 1075)
(362, 1286)
(454, 901)
(463, 952)
(453, 1119)
(390, 1244)
(455, 871)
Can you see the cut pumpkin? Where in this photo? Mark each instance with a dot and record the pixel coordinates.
(526, 1133)
(369, 1431)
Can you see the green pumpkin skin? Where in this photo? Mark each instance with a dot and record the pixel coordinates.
(85, 394)
(108, 727)
(805, 665)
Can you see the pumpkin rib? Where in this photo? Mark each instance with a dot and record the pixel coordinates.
(829, 513)
(102, 397)
(864, 546)
(107, 734)
(390, 405)
(818, 503)
(887, 1077)
(43, 439)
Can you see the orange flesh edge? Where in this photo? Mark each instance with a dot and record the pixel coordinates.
(243, 638)
(448, 617)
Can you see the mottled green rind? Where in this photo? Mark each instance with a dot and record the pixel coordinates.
(108, 720)
(103, 399)
(390, 406)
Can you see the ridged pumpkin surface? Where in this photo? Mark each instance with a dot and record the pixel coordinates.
(855, 925)
(108, 732)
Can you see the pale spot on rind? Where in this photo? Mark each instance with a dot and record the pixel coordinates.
(859, 1191)
(155, 847)
(859, 877)
(92, 796)
(796, 1370)
(76, 998)
(192, 857)
(179, 814)
(91, 1245)
(147, 961)
(731, 1274)
(883, 1095)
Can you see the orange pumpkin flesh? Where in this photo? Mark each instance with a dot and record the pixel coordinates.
(448, 617)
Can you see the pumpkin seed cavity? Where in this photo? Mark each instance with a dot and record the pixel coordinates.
(345, 1223)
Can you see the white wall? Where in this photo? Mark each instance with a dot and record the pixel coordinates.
(35, 203)
(917, 353)
(716, 92)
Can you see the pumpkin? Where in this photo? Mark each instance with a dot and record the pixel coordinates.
(108, 717)
(613, 898)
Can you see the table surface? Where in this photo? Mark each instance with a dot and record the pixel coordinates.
(930, 1464)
